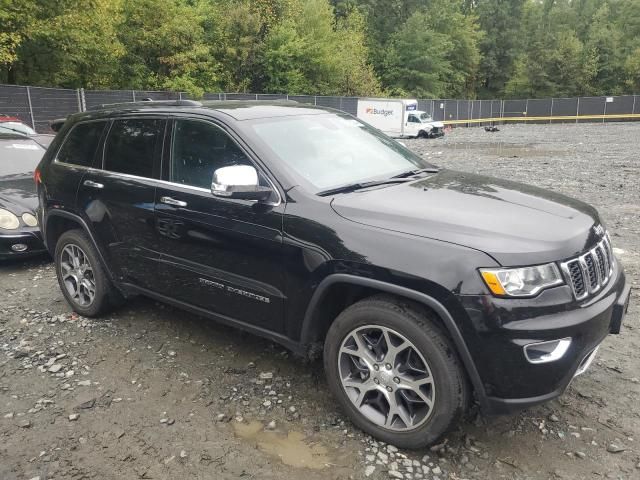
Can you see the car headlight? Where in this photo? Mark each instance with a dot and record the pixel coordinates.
(523, 281)
(29, 220)
(8, 220)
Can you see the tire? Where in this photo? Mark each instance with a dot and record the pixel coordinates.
(423, 134)
(448, 390)
(105, 295)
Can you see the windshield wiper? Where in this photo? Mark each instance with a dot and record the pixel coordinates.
(411, 173)
(352, 187)
(14, 130)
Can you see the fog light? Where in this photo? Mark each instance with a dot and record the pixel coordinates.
(19, 247)
(545, 352)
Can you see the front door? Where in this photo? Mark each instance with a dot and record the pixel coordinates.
(118, 198)
(222, 255)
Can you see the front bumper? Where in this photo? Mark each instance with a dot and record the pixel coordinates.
(500, 328)
(436, 132)
(29, 238)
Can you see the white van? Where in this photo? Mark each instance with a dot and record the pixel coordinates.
(398, 118)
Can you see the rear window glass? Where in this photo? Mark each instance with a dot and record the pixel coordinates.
(79, 148)
(132, 145)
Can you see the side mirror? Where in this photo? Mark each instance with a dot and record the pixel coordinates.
(239, 181)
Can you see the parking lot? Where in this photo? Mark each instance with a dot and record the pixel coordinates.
(152, 392)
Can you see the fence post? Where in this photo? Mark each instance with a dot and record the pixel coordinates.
(82, 100)
(502, 111)
(133, 95)
(180, 96)
(633, 108)
(604, 112)
(33, 120)
(577, 109)
(526, 110)
(551, 114)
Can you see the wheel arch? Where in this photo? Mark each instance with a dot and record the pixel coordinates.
(313, 326)
(60, 221)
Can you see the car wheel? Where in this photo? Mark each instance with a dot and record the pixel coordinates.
(423, 134)
(394, 372)
(81, 276)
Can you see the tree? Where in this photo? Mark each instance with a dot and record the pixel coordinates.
(500, 20)
(311, 52)
(417, 62)
(166, 47)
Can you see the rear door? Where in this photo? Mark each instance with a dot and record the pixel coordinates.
(118, 198)
(220, 254)
(76, 155)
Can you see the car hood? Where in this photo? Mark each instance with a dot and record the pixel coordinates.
(18, 194)
(516, 224)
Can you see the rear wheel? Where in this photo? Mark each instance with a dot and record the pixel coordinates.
(394, 372)
(81, 277)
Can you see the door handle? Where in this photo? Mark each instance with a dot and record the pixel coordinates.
(173, 201)
(92, 184)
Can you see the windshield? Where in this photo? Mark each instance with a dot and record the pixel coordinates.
(16, 126)
(425, 117)
(18, 157)
(331, 150)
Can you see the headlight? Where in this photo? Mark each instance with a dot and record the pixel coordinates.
(521, 282)
(8, 220)
(29, 219)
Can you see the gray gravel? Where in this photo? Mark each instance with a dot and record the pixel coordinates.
(153, 392)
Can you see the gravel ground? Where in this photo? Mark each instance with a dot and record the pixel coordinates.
(153, 392)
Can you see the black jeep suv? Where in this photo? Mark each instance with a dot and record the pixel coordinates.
(420, 286)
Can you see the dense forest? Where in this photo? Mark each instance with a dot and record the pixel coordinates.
(417, 48)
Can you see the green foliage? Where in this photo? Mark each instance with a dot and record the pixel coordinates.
(424, 48)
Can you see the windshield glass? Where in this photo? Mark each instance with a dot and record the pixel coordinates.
(18, 157)
(330, 150)
(16, 126)
(425, 117)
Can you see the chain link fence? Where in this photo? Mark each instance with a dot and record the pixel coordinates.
(38, 106)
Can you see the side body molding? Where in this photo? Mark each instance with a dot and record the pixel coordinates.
(419, 297)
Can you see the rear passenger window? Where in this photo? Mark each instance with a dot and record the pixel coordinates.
(132, 145)
(198, 149)
(79, 148)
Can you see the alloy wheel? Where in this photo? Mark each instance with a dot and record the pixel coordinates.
(386, 378)
(77, 275)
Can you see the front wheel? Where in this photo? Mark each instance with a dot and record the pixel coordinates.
(394, 372)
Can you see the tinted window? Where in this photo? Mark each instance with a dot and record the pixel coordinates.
(198, 149)
(79, 147)
(131, 146)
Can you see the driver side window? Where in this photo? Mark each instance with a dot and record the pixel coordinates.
(413, 119)
(198, 149)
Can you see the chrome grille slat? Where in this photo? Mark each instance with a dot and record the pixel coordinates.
(588, 273)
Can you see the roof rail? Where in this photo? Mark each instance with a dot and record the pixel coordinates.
(147, 102)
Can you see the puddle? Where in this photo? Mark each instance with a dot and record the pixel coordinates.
(290, 447)
(507, 150)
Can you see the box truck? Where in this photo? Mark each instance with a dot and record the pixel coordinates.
(398, 118)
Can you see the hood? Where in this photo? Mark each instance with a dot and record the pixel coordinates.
(18, 194)
(516, 224)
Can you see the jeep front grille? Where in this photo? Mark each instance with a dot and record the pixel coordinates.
(589, 272)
